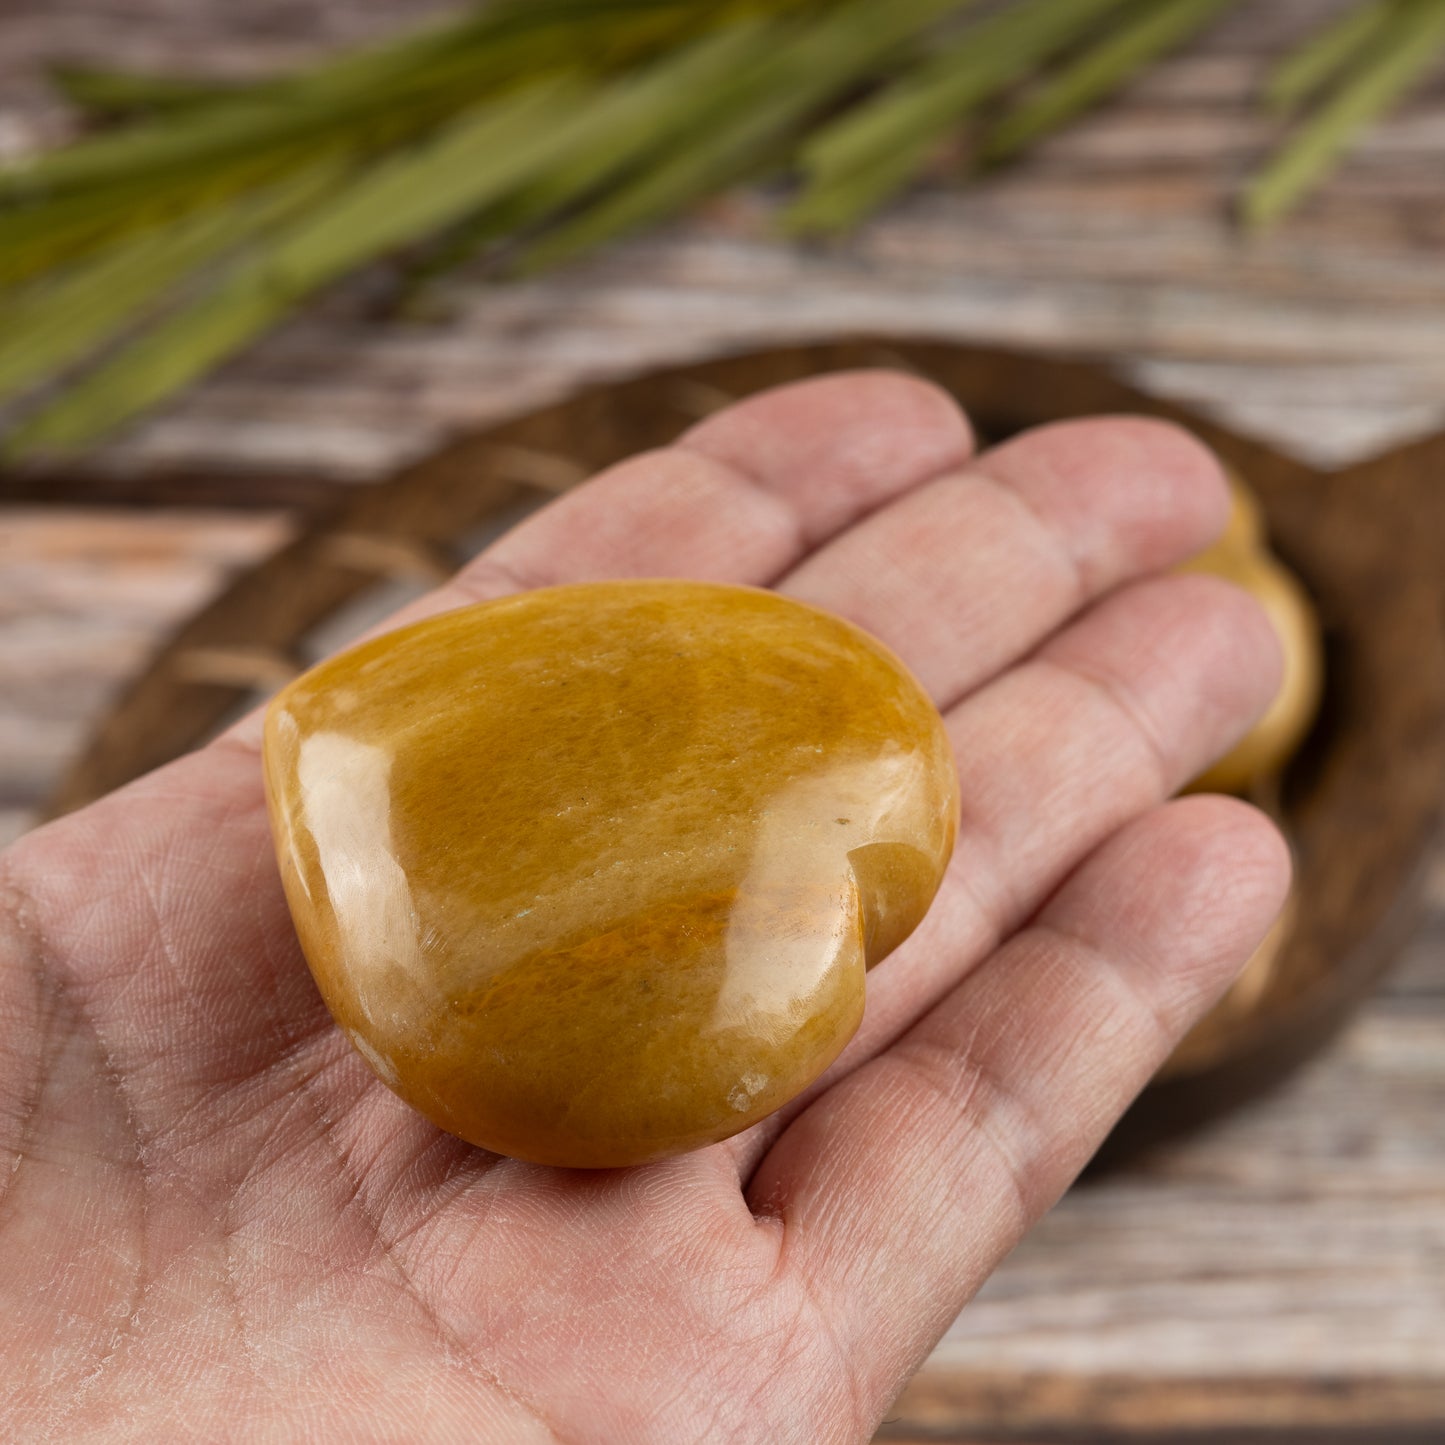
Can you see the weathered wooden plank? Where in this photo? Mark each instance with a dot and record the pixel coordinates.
(664, 302)
(1129, 1410)
(85, 596)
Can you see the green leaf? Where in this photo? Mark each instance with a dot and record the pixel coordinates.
(141, 154)
(59, 323)
(588, 117)
(750, 117)
(1405, 49)
(856, 162)
(111, 93)
(680, 176)
(1100, 71)
(395, 202)
(633, 120)
(479, 158)
(1319, 61)
(54, 234)
(840, 203)
(437, 71)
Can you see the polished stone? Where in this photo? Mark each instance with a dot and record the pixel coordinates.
(591, 875)
(1242, 556)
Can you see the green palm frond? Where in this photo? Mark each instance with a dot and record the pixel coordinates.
(1399, 45)
(138, 258)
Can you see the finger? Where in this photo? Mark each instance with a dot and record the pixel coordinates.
(833, 443)
(740, 498)
(966, 573)
(1108, 719)
(902, 1188)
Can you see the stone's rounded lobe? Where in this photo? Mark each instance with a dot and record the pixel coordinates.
(591, 875)
(1242, 556)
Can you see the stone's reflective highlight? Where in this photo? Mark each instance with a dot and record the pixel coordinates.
(591, 875)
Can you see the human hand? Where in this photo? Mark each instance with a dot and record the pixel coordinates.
(216, 1223)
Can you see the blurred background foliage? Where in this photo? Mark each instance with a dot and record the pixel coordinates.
(191, 217)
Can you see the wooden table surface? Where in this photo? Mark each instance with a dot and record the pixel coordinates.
(1281, 1277)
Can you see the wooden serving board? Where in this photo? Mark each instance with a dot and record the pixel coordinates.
(1362, 803)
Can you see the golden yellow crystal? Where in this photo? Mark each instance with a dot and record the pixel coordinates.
(591, 875)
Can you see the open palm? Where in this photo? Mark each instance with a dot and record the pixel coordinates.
(215, 1223)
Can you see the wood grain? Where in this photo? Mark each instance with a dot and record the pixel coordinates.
(1281, 1277)
(85, 597)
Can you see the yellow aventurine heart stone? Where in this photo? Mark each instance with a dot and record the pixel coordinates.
(591, 875)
